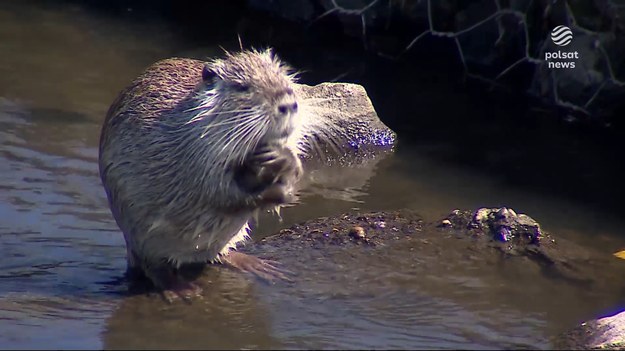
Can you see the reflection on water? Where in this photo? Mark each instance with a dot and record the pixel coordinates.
(63, 256)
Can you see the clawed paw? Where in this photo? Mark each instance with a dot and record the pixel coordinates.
(275, 162)
(270, 173)
(268, 270)
(182, 290)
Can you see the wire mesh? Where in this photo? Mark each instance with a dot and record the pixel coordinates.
(509, 44)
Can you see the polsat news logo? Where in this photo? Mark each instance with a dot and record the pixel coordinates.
(561, 36)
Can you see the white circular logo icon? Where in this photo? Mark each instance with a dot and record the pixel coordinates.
(561, 35)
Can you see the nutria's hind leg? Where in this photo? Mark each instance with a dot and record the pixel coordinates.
(173, 286)
(267, 270)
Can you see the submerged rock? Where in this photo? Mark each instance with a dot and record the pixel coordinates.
(370, 229)
(607, 333)
(502, 224)
(487, 235)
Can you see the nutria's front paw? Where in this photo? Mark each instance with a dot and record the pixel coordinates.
(277, 164)
(268, 170)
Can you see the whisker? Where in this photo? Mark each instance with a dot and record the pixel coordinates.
(241, 138)
(204, 114)
(238, 134)
(333, 141)
(238, 120)
(208, 112)
(230, 120)
(231, 134)
(321, 152)
(255, 138)
(307, 144)
(238, 157)
(326, 133)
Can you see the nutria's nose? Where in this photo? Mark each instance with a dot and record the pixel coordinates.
(287, 108)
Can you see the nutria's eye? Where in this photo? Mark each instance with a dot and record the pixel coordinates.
(241, 87)
(208, 74)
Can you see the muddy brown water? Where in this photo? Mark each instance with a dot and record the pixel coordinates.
(62, 257)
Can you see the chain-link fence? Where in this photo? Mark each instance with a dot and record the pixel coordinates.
(505, 43)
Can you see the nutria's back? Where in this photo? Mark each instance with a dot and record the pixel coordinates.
(163, 86)
(130, 120)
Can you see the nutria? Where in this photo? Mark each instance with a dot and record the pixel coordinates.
(192, 150)
(189, 152)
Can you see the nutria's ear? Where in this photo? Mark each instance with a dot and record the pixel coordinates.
(207, 73)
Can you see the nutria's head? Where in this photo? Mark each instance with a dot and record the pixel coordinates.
(247, 98)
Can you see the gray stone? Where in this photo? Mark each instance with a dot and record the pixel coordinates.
(607, 333)
(357, 131)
